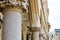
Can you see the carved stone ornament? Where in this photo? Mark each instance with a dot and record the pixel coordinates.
(23, 4)
(15, 2)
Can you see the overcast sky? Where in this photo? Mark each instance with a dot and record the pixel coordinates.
(54, 14)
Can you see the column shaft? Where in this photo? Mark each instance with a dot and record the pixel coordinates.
(35, 35)
(12, 25)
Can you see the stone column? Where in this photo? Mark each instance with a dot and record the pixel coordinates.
(34, 19)
(12, 24)
(35, 33)
(35, 26)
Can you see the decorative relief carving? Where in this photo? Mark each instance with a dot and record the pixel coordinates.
(14, 2)
(24, 4)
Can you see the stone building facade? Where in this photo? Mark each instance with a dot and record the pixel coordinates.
(55, 35)
(24, 19)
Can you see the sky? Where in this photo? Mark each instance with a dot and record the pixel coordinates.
(54, 14)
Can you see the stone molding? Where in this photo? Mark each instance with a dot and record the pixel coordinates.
(12, 9)
(35, 29)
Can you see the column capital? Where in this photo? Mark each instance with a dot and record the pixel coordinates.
(35, 29)
(14, 3)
